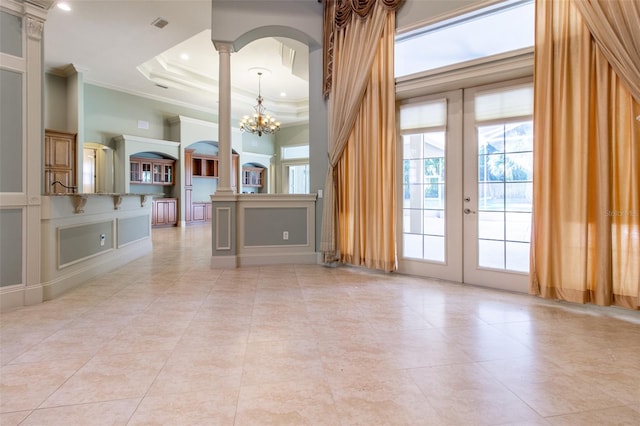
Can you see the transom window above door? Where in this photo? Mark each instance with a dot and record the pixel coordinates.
(499, 28)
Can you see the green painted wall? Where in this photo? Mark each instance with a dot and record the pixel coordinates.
(108, 113)
(55, 103)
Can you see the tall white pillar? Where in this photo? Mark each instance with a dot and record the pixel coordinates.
(224, 117)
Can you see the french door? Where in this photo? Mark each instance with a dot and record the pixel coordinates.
(466, 164)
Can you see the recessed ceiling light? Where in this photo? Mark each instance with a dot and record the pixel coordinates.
(283, 95)
(64, 6)
(184, 56)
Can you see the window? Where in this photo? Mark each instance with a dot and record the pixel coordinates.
(499, 28)
(295, 162)
(299, 179)
(295, 152)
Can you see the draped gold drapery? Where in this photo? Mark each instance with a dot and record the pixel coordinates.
(356, 32)
(586, 215)
(615, 26)
(366, 172)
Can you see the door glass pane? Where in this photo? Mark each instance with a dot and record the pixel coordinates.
(491, 254)
(412, 245)
(505, 190)
(424, 196)
(491, 225)
(518, 227)
(434, 248)
(517, 256)
(434, 221)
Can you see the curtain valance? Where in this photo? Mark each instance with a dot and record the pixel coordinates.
(337, 14)
(344, 9)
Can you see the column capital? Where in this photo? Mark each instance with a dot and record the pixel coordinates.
(223, 46)
(34, 28)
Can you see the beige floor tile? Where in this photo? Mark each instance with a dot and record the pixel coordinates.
(69, 342)
(263, 330)
(307, 402)
(147, 338)
(190, 371)
(561, 394)
(101, 413)
(220, 333)
(308, 344)
(620, 416)
(109, 377)
(213, 407)
(13, 419)
(422, 348)
(359, 353)
(281, 361)
(485, 342)
(467, 394)
(26, 386)
(390, 399)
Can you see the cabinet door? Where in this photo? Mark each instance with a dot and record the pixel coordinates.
(168, 174)
(60, 150)
(135, 175)
(160, 210)
(172, 212)
(146, 171)
(63, 176)
(198, 212)
(158, 173)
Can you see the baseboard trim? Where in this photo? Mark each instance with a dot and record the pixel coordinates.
(277, 259)
(224, 262)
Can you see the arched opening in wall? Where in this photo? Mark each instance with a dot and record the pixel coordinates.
(255, 178)
(276, 69)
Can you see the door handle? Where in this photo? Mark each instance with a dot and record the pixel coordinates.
(468, 211)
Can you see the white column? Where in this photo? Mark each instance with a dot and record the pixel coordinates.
(224, 117)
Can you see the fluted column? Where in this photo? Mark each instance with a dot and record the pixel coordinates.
(224, 117)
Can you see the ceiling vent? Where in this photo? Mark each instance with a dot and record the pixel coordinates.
(160, 23)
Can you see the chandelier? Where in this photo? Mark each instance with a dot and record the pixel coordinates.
(259, 122)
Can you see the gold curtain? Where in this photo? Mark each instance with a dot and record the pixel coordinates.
(586, 214)
(615, 26)
(351, 43)
(366, 172)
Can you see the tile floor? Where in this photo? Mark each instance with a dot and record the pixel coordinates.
(167, 340)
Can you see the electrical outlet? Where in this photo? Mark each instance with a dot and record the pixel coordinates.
(103, 238)
(285, 235)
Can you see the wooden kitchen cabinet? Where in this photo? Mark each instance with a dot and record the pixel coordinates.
(253, 176)
(155, 171)
(59, 162)
(164, 212)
